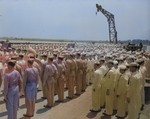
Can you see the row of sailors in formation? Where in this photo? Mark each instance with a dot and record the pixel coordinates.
(23, 76)
(119, 88)
(11, 52)
(53, 72)
(49, 49)
(39, 46)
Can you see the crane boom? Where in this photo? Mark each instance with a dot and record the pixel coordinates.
(111, 23)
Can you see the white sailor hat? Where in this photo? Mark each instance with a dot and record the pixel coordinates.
(122, 67)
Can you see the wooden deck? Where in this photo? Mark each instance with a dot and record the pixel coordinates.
(77, 108)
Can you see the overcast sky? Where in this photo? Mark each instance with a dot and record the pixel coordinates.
(73, 19)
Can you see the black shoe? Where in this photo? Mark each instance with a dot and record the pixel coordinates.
(43, 98)
(27, 115)
(119, 117)
(83, 90)
(61, 101)
(69, 97)
(47, 106)
(58, 101)
(66, 88)
(94, 110)
(106, 114)
(77, 94)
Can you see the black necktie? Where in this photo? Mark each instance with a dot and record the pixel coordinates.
(118, 80)
(107, 72)
(129, 80)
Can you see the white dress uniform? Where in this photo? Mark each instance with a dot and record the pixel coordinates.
(117, 76)
(103, 90)
(134, 93)
(122, 85)
(96, 91)
(143, 72)
(109, 84)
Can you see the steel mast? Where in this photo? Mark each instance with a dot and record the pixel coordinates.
(111, 24)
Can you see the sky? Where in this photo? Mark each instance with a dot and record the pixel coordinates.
(74, 19)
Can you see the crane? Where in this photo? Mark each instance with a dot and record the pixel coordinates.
(111, 24)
